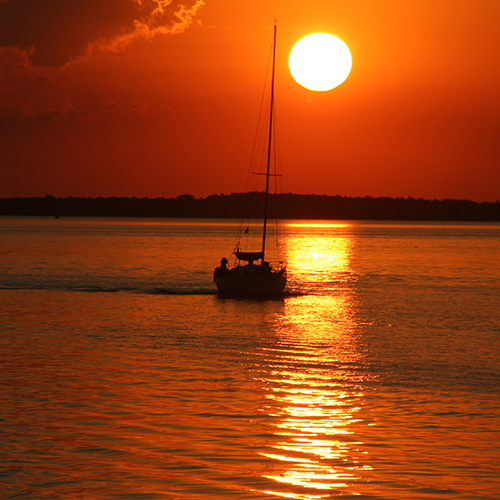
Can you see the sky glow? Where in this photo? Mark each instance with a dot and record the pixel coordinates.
(154, 98)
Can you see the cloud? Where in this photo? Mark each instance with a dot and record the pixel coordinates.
(107, 108)
(55, 32)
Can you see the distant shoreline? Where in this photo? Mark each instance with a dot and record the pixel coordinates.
(283, 206)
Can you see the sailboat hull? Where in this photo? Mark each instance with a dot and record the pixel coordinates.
(271, 284)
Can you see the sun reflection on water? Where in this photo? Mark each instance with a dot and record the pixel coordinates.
(319, 258)
(313, 377)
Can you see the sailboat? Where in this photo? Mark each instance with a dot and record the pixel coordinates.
(252, 274)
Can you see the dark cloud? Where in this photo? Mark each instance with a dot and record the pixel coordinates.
(12, 115)
(54, 32)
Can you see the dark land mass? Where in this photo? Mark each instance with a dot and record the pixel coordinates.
(236, 205)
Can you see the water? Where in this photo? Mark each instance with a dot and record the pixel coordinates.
(124, 376)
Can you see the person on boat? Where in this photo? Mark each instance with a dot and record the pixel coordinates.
(250, 268)
(222, 270)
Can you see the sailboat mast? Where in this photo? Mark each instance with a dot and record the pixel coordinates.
(269, 148)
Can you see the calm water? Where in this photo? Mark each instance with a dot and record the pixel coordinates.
(123, 375)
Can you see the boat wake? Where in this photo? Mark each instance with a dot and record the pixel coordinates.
(172, 291)
(110, 289)
(145, 290)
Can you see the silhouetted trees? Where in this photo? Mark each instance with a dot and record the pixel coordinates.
(236, 205)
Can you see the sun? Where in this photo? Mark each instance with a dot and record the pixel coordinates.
(320, 61)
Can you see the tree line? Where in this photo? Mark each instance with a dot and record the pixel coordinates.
(236, 205)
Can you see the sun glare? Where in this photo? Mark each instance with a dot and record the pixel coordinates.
(320, 61)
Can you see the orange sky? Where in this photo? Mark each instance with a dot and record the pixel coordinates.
(159, 98)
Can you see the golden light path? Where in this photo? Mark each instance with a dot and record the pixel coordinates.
(313, 387)
(321, 255)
